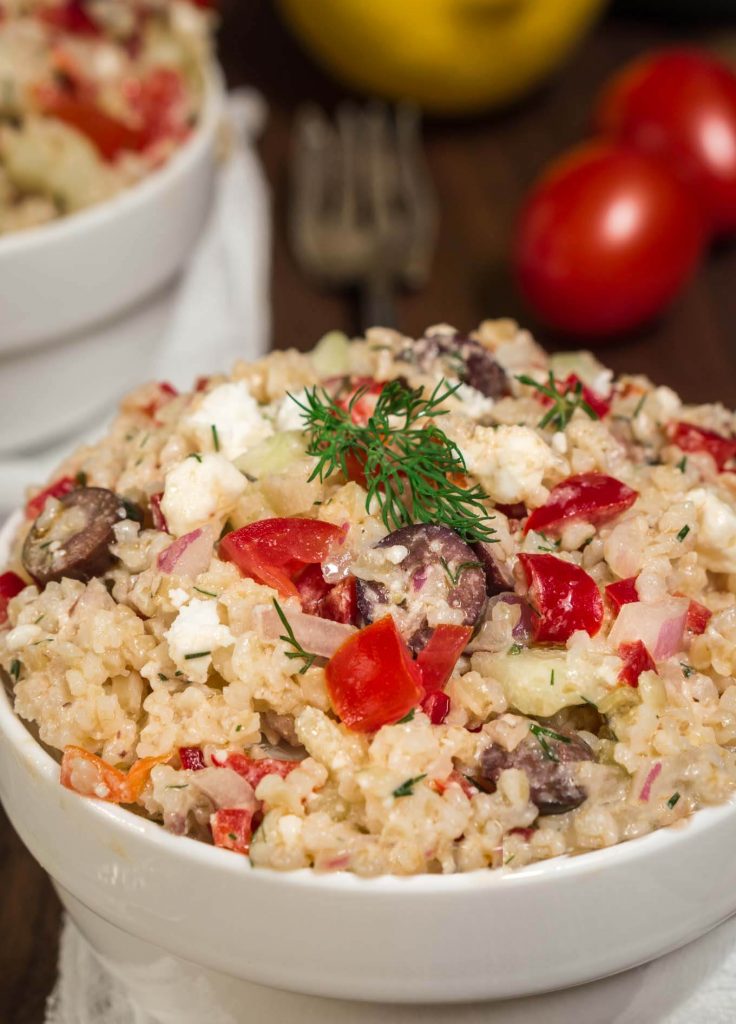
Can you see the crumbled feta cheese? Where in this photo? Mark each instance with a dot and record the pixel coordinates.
(196, 630)
(715, 540)
(236, 417)
(509, 461)
(288, 413)
(178, 597)
(475, 404)
(199, 490)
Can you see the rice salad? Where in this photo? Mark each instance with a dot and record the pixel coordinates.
(94, 95)
(393, 606)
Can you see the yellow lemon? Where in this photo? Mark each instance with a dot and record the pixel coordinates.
(450, 56)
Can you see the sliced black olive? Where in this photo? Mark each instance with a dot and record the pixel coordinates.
(74, 542)
(546, 762)
(461, 357)
(438, 567)
(499, 577)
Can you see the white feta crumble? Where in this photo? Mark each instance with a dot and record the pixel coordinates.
(715, 540)
(288, 413)
(509, 461)
(475, 404)
(178, 597)
(199, 490)
(236, 417)
(192, 637)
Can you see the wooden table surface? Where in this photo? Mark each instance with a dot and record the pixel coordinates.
(481, 169)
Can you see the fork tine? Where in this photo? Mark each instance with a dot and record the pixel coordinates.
(378, 151)
(308, 181)
(417, 194)
(348, 134)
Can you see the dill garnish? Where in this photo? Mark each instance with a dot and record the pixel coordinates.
(289, 638)
(407, 788)
(563, 406)
(15, 667)
(215, 438)
(410, 466)
(673, 800)
(454, 577)
(540, 733)
(408, 717)
(197, 654)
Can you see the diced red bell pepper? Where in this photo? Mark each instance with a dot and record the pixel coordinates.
(690, 438)
(636, 659)
(273, 550)
(254, 770)
(586, 497)
(438, 658)
(436, 706)
(106, 133)
(564, 597)
(232, 828)
(158, 99)
(165, 394)
(10, 585)
(600, 406)
(371, 678)
(57, 489)
(622, 592)
(459, 779)
(89, 775)
(698, 617)
(192, 758)
(69, 17)
(157, 515)
(360, 401)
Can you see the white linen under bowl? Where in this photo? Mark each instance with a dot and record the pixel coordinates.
(73, 289)
(173, 910)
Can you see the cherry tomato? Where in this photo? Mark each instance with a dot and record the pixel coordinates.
(680, 106)
(690, 438)
(57, 489)
(89, 775)
(273, 550)
(564, 596)
(606, 241)
(371, 678)
(622, 592)
(585, 497)
(438, 658)
(636, 659)
(232, 828)
(10, 585)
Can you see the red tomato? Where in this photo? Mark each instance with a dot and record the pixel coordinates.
(436, 706)
(698, 617)
(606, 240)
(636, 659)
(253, 771)
(371, 678)
(10, 585)
(438, 658)
(690, 438)
(360, 401)
(232, 828)
(272, 550)
(57, 489)
(680, 107)
(192, 758)
(89, 775)
(622, 592)
(600, 406)
(585, 497)
(564, 597)
(109, 136)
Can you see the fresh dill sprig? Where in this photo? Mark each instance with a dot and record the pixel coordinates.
(409, 465)
(563, 406)
(540, 733)
(454, 577)
(289, 638)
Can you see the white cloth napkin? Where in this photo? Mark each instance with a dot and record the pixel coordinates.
(220, 309)
(695, 985)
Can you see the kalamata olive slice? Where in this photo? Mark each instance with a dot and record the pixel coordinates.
(499, 577)
(72, 538)
(461, 357)
(437, 569)
(546, 761)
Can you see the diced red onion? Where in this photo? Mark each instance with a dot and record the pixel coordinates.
(646, 789)
(660, 626)
(521, 633)
(315, 634)
(225, 788)
(189, 555)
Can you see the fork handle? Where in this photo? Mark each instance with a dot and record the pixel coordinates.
(377, 301)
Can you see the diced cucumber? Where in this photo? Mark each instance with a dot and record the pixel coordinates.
(274, 455)
(330, 356)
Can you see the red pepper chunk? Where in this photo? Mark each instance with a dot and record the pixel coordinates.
(107, 134)
(70, 17)
(698, 617)
(438, 658)
(690, 438)
(254, 770)
(636, 659)
(586, 497)
(360, 401)
(622, 592)
(371, 678)
(436, 706)
(600, 406)
(57, 489)
(272, 551)
(192, 758)
(10, 585)
(564, 597)
(232, 828)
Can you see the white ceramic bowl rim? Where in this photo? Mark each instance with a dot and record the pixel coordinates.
(148, 188)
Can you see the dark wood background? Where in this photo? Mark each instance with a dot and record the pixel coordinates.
(481, 169)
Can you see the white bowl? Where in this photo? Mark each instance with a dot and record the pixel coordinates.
(185, 910)
(69, 289)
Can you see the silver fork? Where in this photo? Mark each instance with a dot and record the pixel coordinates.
(363, 211)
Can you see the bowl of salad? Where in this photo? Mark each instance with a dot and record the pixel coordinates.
(109, 115)
(387, 671)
